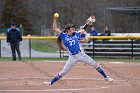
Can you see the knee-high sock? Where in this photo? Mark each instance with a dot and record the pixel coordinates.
(99, 69)
(56, 78)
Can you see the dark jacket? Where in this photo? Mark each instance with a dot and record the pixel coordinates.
(107, 32)
(13, 35)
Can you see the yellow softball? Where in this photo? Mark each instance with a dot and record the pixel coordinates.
(56, 15)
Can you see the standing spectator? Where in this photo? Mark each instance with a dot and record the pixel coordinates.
(107, 31)
(14, 38)
(93, 32)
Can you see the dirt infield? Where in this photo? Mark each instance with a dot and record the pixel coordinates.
(28, 77)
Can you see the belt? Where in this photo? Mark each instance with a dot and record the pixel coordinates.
(76, 52)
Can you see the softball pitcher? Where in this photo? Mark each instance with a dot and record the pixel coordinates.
(70, 40)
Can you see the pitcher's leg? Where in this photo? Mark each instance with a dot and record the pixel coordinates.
(88, 60)
(67, 67)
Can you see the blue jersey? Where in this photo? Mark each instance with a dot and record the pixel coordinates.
(71, 41)
(82, 36)
(94, 33)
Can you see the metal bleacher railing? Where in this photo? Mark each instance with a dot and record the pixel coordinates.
(102, 46)
(112, 47)
(115, 46)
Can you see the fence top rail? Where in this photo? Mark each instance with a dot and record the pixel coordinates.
(114, 37)
(90, 37)
(35, 38)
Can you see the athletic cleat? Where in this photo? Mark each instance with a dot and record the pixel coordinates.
(109, 79)
(56, 78)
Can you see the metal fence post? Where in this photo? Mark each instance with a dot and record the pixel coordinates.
(132, 46)
(93, 46)
(0, 48)
(29, 48)
(60, 52)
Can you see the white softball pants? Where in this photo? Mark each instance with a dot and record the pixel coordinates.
(73, 59)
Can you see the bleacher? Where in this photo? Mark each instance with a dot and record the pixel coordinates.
(113, 48)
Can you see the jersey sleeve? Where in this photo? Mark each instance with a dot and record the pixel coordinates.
(62, 35)
(82, 36)
(17, 29)
(78, 33)
(8, 30)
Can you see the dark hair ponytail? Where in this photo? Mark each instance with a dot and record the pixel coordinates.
(60, 43)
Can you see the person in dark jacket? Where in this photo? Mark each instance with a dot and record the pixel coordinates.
(106, 32)
(13, 38)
